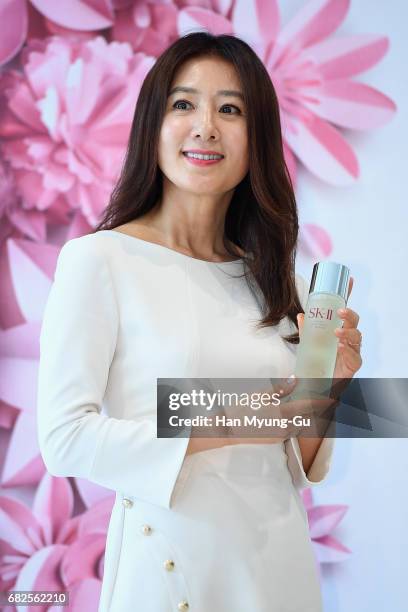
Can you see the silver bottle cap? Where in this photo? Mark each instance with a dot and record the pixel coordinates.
(330, 277)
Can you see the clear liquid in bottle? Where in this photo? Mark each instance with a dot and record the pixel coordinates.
(317, 349)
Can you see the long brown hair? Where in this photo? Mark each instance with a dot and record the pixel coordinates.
(262, 218)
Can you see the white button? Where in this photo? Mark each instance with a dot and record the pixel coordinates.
(183, 606)
(127, 502)
(146, 529)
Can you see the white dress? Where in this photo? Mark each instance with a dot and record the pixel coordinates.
(222, 530)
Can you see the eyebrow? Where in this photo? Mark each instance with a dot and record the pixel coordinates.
(221, 92)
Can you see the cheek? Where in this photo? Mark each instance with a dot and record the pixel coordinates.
(240, 152)
(171, 140)
(172, 131)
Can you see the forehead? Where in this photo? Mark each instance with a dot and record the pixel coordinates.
(212, 72)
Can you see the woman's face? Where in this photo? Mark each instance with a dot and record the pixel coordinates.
(205, 119)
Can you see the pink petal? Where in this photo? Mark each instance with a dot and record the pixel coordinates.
(67, 33)
(8, 416)
(22, 107)
(221, 6)
(41, 573)
(330, 550)
(84, 595)
(77, 14)
(23, 464)
(307, 498)
(43, 255)
(82, 557)
(151, 41)
(90, 492)
(125, 30)
(141, 16)
(342, 57)
(36, 23)
(53, 504)
(96, 519)
(30, 223)
(314, 241)
(121, 4)
(314, 22)
(13, 371)
(20, 341)
(323, 519)
(49, 66)
(31, 284)
(164, 19)
(15, 520)
(191, 19)
(291, 163)
(10, 313)
(14, 20)
(323, 150)
(69, 531)
(83, 91)
(350, 104)
(78, 226)
(256, 21)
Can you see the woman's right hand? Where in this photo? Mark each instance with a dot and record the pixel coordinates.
(285, 409)
(293, 416)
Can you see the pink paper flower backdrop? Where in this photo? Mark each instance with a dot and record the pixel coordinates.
(74, 68)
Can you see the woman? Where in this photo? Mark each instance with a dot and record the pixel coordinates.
(189, 274)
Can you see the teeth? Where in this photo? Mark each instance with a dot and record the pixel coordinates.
(199, 156)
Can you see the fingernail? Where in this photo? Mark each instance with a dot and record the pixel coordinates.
(341, 311)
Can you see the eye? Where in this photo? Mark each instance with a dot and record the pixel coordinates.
(224, 106)
(180, 102)
(231, 106)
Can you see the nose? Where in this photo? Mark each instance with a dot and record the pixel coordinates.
(205, 125)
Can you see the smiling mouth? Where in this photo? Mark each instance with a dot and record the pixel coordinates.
(184, 153)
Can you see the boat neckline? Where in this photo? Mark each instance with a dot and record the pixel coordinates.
(162, 246)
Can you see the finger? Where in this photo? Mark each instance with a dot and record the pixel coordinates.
(351, 337)
(284, 386)
(352, 358)
(350, 287)
(350, 318)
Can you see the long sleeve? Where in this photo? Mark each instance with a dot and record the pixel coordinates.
(320, 467)
(318, 471)
(77, 345)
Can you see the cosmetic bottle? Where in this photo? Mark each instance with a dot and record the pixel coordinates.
(317, 349)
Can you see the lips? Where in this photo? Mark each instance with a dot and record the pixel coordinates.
(200, 152)
(195, 161)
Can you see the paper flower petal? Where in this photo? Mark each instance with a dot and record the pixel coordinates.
(77, 14)
(256, 21)
(316, 20)
(191, 19)
(314, 241)
(323, 519)
(349, 104)
(323, 150)
(14, 20)
(345, 56)
(329, 550)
